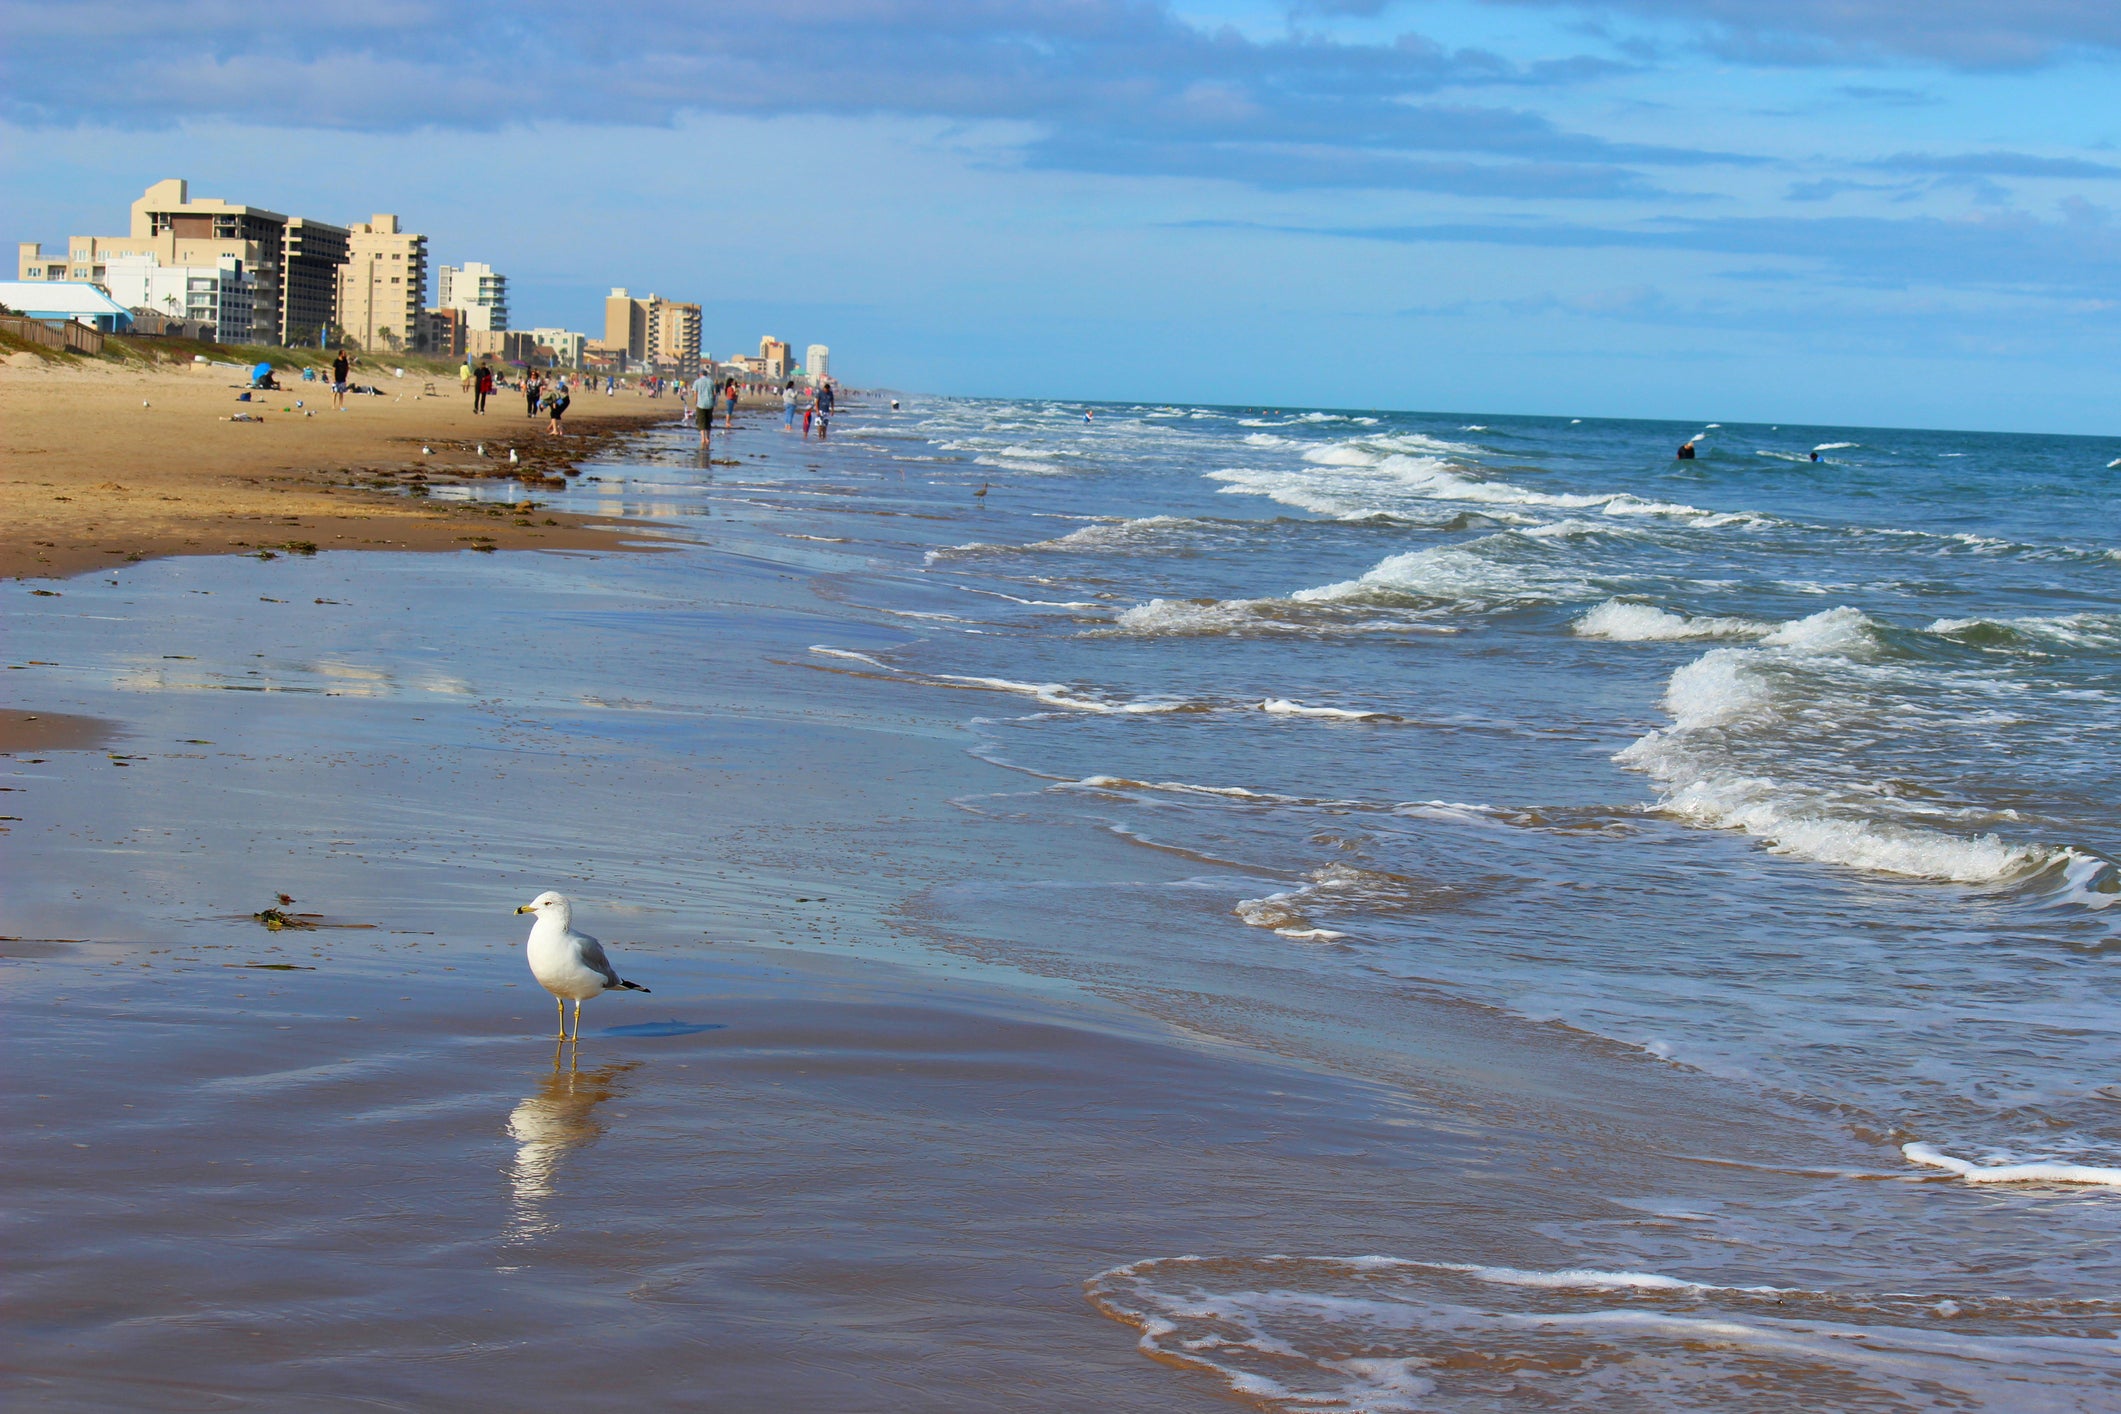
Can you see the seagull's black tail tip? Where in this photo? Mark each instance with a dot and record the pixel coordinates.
(626, 986)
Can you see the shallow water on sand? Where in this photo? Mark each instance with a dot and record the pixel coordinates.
(1414, 912)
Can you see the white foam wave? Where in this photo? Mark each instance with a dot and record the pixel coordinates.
(1625, 622)
(1378, 475)
(1930, 1157)
(1281, 706)
(1055, 694)
(1725, 761)
(1282, 915)
(1491, 571)
(1835, 446)
(1181, 617)
(1117, 535)
(824, 652)
(2075, 630)
(1176, 787)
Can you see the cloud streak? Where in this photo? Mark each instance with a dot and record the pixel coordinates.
(1964, 34)
(1108, 85)
(2077, 256)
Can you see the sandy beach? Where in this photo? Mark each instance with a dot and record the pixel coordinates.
(106, 464)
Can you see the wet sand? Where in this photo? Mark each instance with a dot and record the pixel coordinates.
(242, 1189)
(52, 731)
(110, 465)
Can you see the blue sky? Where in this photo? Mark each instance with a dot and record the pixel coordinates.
(1854, 211)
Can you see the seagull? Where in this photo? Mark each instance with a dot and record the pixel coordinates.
(567, 963)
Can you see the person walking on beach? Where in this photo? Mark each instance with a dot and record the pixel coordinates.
(729, 392)
(558, 408)
(481, 388)
(788, 402)
(703, 406)
(464, 375)
(533, 389)
(341, 371)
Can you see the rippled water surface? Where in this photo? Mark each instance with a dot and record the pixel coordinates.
(1795, 772)
(1721, 850)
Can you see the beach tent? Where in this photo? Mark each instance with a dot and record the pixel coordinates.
(64, 301)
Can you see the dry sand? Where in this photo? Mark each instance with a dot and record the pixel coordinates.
(101, 465)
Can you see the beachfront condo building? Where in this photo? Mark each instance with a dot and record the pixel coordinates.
(507, 345)
(778, 355)
(653, 332)
(566, 347)
(221, 298)
(477, 291)
(817, 363)
(179, 231)
(311, 254)
(293, 262)
(383, 287)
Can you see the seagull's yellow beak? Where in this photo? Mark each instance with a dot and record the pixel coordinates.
(526, 908)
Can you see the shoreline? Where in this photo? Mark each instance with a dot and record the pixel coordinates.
(114, 465)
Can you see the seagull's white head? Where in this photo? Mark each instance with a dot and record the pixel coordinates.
(549, 905)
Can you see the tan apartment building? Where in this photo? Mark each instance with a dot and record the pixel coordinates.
(778, 357)
(507, 345)
(655, 332)
(169, 225)
(293, 261)
(383, 287)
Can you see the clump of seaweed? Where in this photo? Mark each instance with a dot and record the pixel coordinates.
(276, 918)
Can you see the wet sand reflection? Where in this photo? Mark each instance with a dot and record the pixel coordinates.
(548, 1125)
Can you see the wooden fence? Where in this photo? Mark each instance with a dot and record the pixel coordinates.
(69, 336)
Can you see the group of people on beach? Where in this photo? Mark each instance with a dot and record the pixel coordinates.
(817, 413)
(708, 397)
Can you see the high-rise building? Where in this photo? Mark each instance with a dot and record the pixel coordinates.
(656, 332)
(817, 362)
(778, 356)
(674, 335)
(311, 254)
(383, 287)
(625, 325)
(221, 297)
(477, 291)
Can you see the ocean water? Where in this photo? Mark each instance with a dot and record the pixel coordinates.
(1719, 853)
(1795, 776)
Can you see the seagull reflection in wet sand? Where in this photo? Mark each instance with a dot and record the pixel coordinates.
(546, 1126)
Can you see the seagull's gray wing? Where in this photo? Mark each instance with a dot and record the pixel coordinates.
(592, 954)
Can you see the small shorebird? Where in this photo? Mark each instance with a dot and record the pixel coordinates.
(566, 963)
